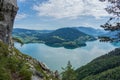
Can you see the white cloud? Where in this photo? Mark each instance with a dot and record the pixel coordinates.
(21, 16)
(21, 0)
(71, 8)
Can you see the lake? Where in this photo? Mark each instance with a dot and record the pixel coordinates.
(55, 58)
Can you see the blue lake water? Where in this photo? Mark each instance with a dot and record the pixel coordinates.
(55, 58)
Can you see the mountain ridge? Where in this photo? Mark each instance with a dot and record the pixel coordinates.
(65, 37)
(91, 31)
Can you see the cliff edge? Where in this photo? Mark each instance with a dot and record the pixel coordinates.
(8, 11)
(13, 64)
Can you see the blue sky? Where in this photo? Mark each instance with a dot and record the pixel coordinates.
(54, 14)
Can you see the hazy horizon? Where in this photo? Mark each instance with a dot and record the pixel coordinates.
(57, 28)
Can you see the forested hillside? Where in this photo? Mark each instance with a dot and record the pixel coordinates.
(64, 37)
(106, 67)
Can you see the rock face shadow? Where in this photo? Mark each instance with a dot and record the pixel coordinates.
(8, 11)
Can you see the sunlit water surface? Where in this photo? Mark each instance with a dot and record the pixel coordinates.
(55, 58)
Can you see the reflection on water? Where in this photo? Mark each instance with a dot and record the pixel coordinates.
(56, 58)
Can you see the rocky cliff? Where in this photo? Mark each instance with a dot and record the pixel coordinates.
(17, 66)
(8, 11)
(13, 64)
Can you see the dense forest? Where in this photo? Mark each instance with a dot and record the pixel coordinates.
(106, 67)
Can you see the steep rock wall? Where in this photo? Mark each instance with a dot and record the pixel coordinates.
(8, 11)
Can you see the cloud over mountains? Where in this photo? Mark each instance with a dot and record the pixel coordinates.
(71, 8)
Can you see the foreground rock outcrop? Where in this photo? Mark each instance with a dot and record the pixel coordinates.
(8, 11)
(17, 66)
(13, 64)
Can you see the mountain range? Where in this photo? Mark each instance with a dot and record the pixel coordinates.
(91, 31)
(17, 66)
(63, 37)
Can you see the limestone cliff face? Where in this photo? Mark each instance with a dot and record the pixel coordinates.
(8, 11)
(33, 69)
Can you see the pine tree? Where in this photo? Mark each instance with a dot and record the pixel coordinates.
(68, 72)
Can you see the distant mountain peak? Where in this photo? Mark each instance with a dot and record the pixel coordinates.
(91, 31)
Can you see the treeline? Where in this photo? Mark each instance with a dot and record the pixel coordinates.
(106, 67)
(105, 64)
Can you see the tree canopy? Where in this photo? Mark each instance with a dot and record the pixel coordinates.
(113, 24)
(68, 72)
